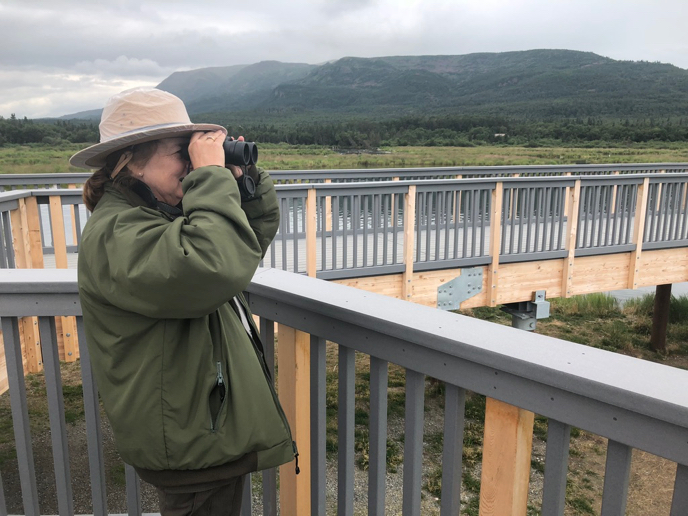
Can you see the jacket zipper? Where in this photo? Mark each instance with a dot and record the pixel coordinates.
(266, 372)
(219, 383)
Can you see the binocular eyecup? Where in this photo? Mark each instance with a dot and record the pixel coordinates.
(242, 154)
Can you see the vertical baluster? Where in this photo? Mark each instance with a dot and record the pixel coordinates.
(347, 206)
(133, 491)
(484, 216)
(539, 192)
(385, 229)
(652, 213)
(4, 249)
(632, 212)
(336, 200)
(295, 229)
(454, 407)
(512, 236)
(530, 206)
(267, 334)
(20, 415)
(284, 230)
(58, 428)
(447, 222)
(345, 438)
(458, 196)
(466, 198)
(376, 227)
(429, 207)
(619, 207)
(475, 205)
(355, 225)
(684, 204)
(679, 503)
(616, 477)
(396, 209)
(322, 222)
(378, 437)
(413, 442)
(608, 227)
(676, 194)
(3, 505)
(556, 468)
(318, 424)
(562, 216)
(438, 222)
(547, 226)
(582, 216)
(419, 225)
(94, 438)
(246, 497)
(506, 206)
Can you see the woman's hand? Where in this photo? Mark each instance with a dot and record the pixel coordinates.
(205, 149)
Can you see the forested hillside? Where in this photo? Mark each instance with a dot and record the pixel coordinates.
(535, 97)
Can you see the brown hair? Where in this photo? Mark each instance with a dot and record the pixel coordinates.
(94, 187)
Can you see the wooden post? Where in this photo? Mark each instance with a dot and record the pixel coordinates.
(409, 242)
(28, 251)
(311, 232)
(507, 447)
(65, 326)
(495, 239)
(293, 366)
(572, 201)
(638, 233)
(660, 317)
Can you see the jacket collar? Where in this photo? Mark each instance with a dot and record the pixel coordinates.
(138, 193)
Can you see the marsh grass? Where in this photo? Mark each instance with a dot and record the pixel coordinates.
(42, 158)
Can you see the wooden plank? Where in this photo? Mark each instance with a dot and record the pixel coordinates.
(518, 281)
(663, 266)
(638, 233)
(495, 238)
(293, 362)
(600, 273)
(389, 285)
(573, 202)
(409, 241)
(26, 240)
(507, 447)
(67, 343)
(311, 233)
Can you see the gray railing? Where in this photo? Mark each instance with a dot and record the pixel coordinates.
(360, 229)
(30, 181)
(633, 403)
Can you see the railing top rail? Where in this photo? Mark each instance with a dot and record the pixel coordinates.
(644, 387)
(80, 177)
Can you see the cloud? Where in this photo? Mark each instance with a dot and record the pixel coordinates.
(76, 51)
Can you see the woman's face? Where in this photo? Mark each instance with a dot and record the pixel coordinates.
(165, 170)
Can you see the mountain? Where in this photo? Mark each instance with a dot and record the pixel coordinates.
(538, 84)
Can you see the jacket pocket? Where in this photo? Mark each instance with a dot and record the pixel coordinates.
(217, 398)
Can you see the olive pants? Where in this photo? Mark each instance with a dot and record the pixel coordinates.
(222, 500)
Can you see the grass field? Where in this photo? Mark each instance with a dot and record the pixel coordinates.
(40, 159)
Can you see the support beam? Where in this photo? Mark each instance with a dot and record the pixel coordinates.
(495, 238)
(638, 233)
(507, 447)
(28, 249)
(293, 359)
(572, 206)
(66, 326)
(660, 317)
(409, 242)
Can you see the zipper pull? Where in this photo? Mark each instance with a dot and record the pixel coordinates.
(296, 456)
(221, 380)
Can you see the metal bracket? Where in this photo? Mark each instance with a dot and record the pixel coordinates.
(525, 314)
(450, 295)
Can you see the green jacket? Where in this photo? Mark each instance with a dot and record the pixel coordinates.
(164, 340)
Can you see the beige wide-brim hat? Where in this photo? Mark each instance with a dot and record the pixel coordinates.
(135, 116)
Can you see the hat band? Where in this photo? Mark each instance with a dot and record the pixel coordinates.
(144, 129)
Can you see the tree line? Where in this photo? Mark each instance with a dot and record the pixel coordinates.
(404, 131)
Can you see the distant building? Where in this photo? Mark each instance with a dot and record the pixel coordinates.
(500, 135)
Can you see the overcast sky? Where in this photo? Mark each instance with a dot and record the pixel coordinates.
(63, 56)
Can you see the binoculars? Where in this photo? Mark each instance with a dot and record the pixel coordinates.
(242, 154)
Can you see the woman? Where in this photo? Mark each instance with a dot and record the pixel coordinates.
(170, 246)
